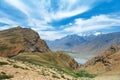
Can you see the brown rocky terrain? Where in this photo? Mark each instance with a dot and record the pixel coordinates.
(58, 60)
(107, 62)
(17, 70)
(16, 40)
(29, 58)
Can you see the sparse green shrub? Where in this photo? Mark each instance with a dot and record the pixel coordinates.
(16, 66)
(4, 76)
(54, 76)
(3, 63)
(63, 76)
(26, 69)
(13, 40)
(84, 73)
(43, 73)
(3, 73)
(67, 79)
(4, 47)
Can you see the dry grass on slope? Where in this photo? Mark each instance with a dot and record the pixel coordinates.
(17, 70)
(57, 59)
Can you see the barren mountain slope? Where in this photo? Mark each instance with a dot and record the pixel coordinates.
(107, 62)
(16, 70)
(16, 40)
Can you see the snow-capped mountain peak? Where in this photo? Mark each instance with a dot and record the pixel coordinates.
(97, 33)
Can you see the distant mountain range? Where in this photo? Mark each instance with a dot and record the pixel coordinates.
(90, 44)
(66, 43)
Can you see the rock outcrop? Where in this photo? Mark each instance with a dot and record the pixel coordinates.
(108, 62)
(17, 40)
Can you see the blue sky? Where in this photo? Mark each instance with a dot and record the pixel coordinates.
(54, 19)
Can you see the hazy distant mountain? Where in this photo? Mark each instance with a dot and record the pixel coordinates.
(98, 44)
(66, 43)
(90, 44)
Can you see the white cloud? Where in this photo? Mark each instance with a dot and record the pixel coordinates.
(43, 8)
(5, 18)
(18, 4)
(69, 8)
(4, 27)
(51, 35)
(7, 27)
(94, 23)
(97, 33)
(7, 21)
(40, 12)
(39, 25)
(65, 14)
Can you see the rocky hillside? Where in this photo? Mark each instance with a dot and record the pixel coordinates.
(107, 62)
(16, 40)
(57, 60)
(16, 70)
(25, 45)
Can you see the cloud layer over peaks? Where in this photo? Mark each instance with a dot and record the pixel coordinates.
(54, 19)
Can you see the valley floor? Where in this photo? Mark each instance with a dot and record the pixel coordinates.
(107, 77)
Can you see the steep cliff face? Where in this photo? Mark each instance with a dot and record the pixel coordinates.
(107, 62)
(17, 40)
